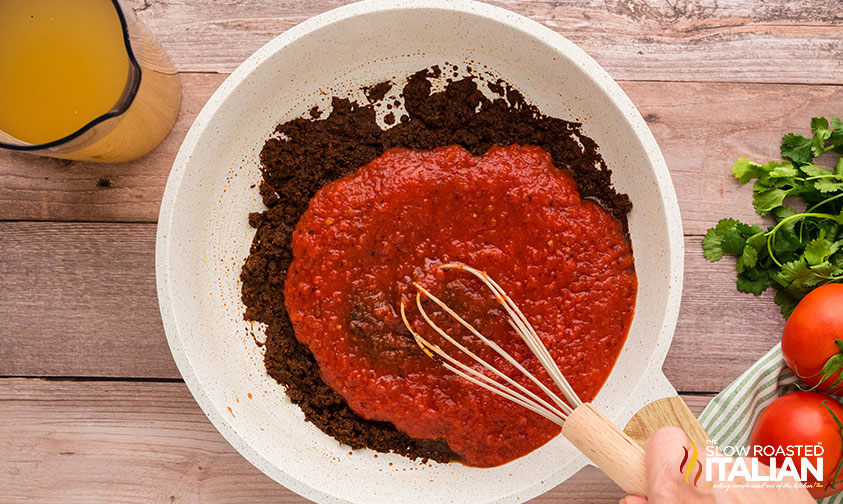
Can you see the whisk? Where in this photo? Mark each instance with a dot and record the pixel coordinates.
(607, 446)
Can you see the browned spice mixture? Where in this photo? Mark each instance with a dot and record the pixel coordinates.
(312, 152)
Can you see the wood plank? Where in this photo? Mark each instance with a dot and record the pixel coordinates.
(63, 309)
(125, 442)
(702, 129)
(721, 331)
(80, 299)
(704, 40)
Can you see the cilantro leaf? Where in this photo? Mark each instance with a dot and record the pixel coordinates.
(823, 181)
(798, 276)
(797, 148)
(827, 185)
(746, 170)
(824, 270)
(837, 136)
(786, 301)
(817, 251)
(828, 229)
(724, 225)
(837, 141)
(786, 242)
(753, 280)
(748, 259)
(819, 127)
(732, 242)
(793, 271)
(768, 200)
(783, 212)
(712, 249)
(776, 169)
(746, 230)
(812, 170)
(757, 241)
(775, 175)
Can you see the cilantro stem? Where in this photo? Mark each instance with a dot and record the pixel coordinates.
(821, 203)
(831, 278)
(771, 235)
(832, 175)
(815, 177)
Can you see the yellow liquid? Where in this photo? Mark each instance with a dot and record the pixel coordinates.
(63, 63)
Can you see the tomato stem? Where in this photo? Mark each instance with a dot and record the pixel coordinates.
(832, 366)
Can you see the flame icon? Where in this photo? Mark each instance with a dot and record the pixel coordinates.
(687, 466)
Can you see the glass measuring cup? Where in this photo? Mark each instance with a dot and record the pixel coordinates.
(140, 117)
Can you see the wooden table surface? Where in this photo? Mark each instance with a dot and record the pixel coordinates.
(92, 407)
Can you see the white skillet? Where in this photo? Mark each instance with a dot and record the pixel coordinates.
(203, 236)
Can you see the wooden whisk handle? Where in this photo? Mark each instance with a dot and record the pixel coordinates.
(615, 453)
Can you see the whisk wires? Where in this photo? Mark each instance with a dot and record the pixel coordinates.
(556, 412)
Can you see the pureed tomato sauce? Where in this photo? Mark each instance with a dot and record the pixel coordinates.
(365, 238)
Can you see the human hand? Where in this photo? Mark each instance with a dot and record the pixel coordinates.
(665, 484)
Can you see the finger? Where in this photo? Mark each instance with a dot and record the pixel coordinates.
(633, 499)
(666, 451)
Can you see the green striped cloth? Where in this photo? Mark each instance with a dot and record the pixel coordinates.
(729, 417)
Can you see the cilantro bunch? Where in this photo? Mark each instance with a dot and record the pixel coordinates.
(804, 249)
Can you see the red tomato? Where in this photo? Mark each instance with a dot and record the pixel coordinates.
(809, 340)
(801, 418)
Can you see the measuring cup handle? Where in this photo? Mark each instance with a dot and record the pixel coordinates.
(608, 447)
